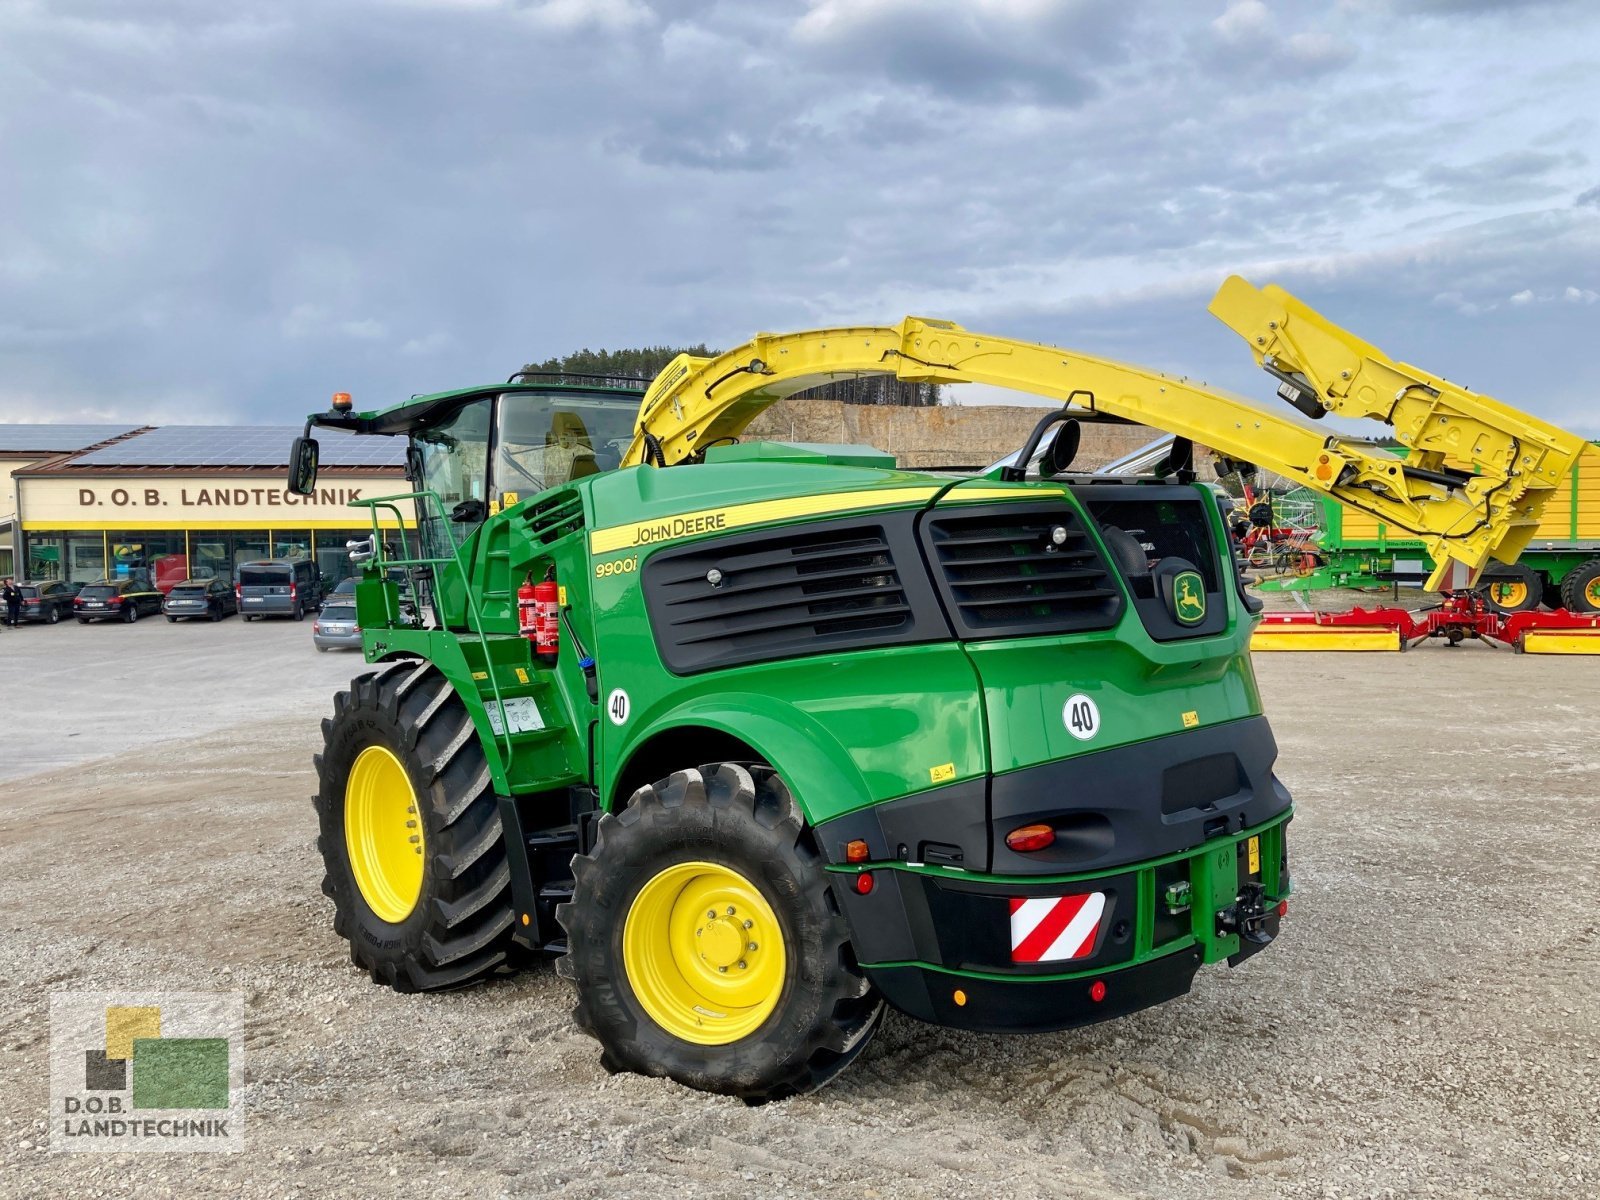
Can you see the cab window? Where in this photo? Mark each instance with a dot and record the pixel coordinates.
(547, 439)
(454, 458)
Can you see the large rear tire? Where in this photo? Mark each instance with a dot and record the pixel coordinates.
(1513, 589)
(1580, 590)
(705, 943)
(410, 833)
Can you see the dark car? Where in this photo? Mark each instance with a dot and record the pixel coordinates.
(209, 598)
(47, 600)
(285, 587)
(336, 625)
(116, 600)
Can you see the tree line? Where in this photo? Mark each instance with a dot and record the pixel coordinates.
(629, 367)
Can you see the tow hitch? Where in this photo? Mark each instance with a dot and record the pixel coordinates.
(1247, 916)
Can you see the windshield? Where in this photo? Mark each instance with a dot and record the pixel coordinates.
(338, 612)
(546, 439)
(97, 591)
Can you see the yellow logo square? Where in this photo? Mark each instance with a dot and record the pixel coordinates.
(125, 1024)
(1191, 719)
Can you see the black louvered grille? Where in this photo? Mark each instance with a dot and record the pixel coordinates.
(554, 518)
(1002, 574)
(786, 594)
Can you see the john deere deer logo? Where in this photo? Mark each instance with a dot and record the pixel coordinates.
(1188, 597)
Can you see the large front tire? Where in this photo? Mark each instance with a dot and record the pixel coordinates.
(410, 833)
(705, 943)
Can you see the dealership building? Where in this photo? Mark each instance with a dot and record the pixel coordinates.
(85, 502)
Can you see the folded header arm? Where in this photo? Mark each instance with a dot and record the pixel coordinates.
(1471, 491)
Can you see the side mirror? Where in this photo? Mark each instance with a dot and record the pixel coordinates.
(303, 466)
(1062, 450)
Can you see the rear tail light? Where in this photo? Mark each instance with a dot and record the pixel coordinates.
(1028, 838)
(316, 627)
(292, 592)
(113, 599)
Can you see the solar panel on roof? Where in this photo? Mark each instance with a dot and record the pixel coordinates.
(58, 438)
(242, 446)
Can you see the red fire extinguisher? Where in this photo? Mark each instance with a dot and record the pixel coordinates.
(528, 608)
(539, 615)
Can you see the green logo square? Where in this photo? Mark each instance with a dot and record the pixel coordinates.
(180, 1073)
(1189, 597)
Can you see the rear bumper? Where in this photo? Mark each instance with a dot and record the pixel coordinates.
(270, 607)
(1041, 1006)
(348, 641)
(943, 945)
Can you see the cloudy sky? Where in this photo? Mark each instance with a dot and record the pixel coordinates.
(219, 212)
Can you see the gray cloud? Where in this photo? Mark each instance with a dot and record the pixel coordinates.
(227, 212)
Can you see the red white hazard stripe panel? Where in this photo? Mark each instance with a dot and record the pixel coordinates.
(1055, 928)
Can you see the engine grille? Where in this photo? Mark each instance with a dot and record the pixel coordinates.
(1002, 574)
(831, 587)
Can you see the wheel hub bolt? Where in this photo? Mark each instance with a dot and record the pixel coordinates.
(711, 914)
(752, 946)
(723, 970)
(742, 965)
(730, 910)
(749, 924)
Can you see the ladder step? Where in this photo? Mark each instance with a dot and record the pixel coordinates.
(556, 946)
(562, 837)
(556, 890)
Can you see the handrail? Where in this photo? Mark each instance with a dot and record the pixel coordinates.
(381, 559)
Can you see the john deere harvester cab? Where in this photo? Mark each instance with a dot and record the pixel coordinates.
(759, 737)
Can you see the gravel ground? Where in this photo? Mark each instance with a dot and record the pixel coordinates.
(1426, 1024)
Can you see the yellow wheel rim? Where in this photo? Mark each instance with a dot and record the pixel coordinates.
(704, 953)
(1510, 594)
(383, 834)
(1591, 592)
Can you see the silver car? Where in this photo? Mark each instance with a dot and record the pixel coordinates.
(336, 626)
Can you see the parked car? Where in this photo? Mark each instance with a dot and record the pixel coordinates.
(116, 600)
(46, 600)
(336, 626)
(285, 587)
(210, 598)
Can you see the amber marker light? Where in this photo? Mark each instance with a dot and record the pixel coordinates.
(855, 851)
(1030, 837)
(341, 402)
